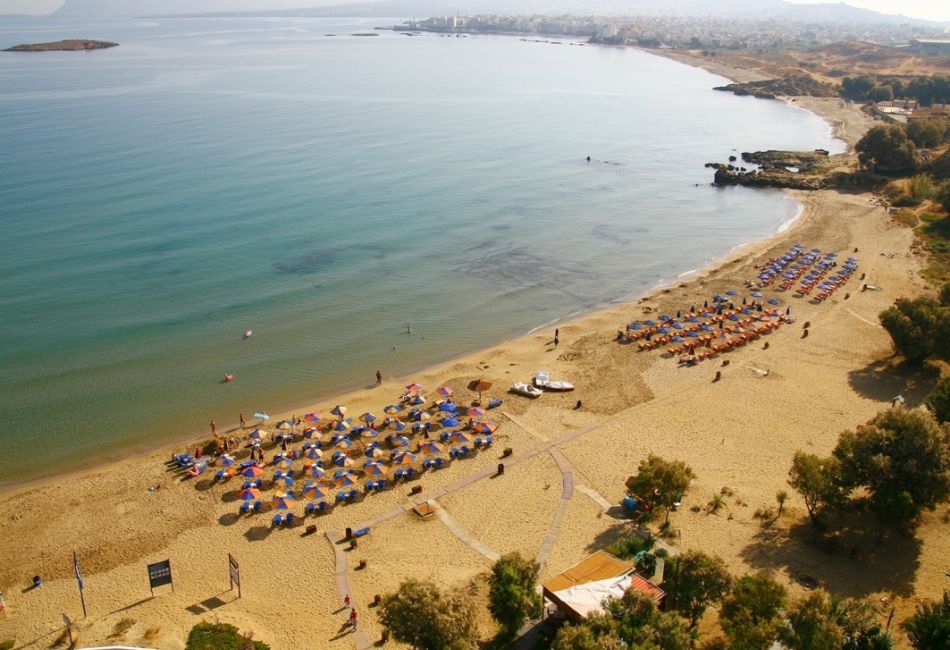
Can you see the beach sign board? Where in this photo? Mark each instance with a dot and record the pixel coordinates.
(234, 572)
(160, 573)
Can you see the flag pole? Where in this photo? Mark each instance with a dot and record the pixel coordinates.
(82, 597)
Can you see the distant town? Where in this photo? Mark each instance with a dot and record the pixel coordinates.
(693, 33)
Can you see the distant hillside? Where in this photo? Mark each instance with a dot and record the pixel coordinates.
(763, 9)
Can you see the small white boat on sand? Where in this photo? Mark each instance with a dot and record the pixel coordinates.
(527, 390)
(248, 334)
(543, 380)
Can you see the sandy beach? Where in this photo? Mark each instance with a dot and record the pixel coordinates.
(738, 433)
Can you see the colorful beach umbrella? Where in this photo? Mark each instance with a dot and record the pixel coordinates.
(475, 412)
(342, 425)
(414, 388)
(431, 447)
(338, 410)
(313, 453)
(257, 434)
(400, 441)
(283, 461)
(344, 443)
(369, 433)
(403, 458)
(392, 409)
(368, 417)
(448, 407)
(315, 491)
(252, 471)
(417, 400)
(227, 460)
(486, 427)
(282, 501)
(374, 469)
(343, 461)
(285, 425)
(450, 422)
(309, 432)
(462, 438)
(317, 472)
(250, 494)
(399, 426)
(344, 479)
(444, 391)
(312, 417)
(375, 452)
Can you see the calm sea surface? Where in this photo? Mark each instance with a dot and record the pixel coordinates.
(212, 176)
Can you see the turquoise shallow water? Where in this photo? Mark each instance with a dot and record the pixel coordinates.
(212, 176)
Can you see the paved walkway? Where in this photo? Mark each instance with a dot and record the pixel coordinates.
(567, 492)
(604, 504)
(342, 579)
(462, 534)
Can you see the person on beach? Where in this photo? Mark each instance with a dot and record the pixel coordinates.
(379, 378)
(556, 338)
(242, 419)
(346, 600)
(214, 428)
(353, 617)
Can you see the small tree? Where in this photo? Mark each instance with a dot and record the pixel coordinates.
(816, 479)
(582, 637)
(750, 614)
(661, 481)
(695, 581)
(641, 624)
(512, 596)
(812, 625)
(929, 627)
(886, 147)
(422, 616)
(939, 400)
(858, 621)
(902, 458)
(781, 497)
(914, 326)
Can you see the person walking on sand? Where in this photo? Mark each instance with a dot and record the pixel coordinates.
(353, 618)
(346, 600)
(557, 338)
(214, 428)
(242, 419)
(379, 378)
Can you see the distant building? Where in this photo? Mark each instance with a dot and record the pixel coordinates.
(931, 45)
(581, 589)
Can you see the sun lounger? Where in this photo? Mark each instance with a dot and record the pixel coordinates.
(359, 532)
(278, 520)
(495, 403)
(246, 507)
(258, 506)
(290, 519)
(310, 508)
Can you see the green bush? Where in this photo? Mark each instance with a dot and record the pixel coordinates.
(939, 400)
(920, 328)
(220, 636)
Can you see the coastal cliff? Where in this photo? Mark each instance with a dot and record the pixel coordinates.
(72, 45)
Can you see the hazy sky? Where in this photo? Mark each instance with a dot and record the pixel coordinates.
(932, 9)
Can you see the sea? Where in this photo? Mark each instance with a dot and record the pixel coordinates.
(325, 190)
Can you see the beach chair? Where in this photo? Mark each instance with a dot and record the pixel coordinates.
(258, 506)
(246, 507)
(219, 475)
(289, 519)
(495, 403)
(322, 506)
(370, 486)
(310, 508)
(278, 520)
(399, 473)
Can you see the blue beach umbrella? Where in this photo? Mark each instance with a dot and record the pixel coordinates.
(400, 426)
(733, 317)
(774, 301)
(448, 407)
(400, 441)
(692, 334)
(634, 326)
(756, 294)
(677, 339)
(665, 318)
(663, 330)
(678, 326)
(341, 426)
(650, 323)
(450, 422)
(732, 292)
(392, 409)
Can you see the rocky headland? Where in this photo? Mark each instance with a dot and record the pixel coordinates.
(800, 170)
(72, 45)
(801, 85)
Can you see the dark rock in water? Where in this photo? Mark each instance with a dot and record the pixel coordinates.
(73, 45)
(364, 34)
(732, 158)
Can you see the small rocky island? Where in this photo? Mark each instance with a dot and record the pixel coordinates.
(802, 170)
(73, 45)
